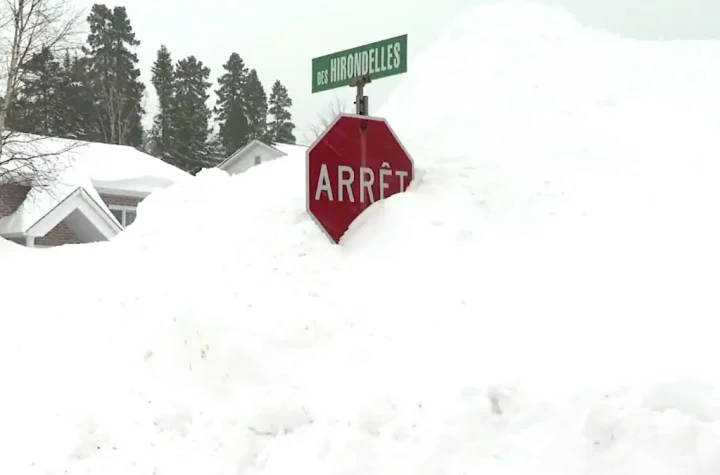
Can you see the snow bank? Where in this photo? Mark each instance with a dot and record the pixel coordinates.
(292, 150)
(9, 247)
(539, 301)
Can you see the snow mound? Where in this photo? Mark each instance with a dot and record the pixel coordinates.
(538, 302)
(9, 247)
(292, 150)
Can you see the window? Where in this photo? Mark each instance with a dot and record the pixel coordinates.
(124, 214)
(257, 160)
(118, 213)
(130, 215)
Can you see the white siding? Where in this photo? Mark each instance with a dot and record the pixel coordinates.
(240, 166)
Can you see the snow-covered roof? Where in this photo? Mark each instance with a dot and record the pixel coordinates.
(65, 165)
(118, 167)
(291, 149)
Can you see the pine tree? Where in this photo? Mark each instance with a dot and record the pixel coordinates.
(75, 101)
(215, 149)
(35, 109)
(230, 107)
(146, 145)
(163, 81)
(280, 127)
(256, 107)
(114, 75)
(190, 116)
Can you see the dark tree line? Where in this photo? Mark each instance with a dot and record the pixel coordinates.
(95, 94)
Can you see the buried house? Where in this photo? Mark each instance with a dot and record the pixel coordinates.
(257, 152)
(60, 191)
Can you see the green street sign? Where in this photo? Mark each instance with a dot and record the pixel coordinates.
(375, 60)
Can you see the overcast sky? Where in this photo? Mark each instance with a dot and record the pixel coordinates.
(280, 37)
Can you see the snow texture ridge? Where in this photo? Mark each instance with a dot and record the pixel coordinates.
(542, 300)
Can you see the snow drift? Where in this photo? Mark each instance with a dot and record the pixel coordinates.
(8, 247)
(540, 300)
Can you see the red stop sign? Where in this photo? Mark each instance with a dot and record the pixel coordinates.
(357, 161)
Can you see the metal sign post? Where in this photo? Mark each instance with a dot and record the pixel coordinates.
(361, 100)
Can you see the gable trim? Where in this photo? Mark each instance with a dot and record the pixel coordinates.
(82, 201)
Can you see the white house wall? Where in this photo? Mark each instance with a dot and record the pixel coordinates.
(85, 228)
(239, 166)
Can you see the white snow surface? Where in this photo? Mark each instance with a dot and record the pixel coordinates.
(124, 168)
(7, 247)
(67, 165)
(292, 150)
(542, 300)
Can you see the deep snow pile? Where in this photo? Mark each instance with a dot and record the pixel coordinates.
(542, 300)
(9, 247)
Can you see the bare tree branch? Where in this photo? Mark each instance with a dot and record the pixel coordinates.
(113, 106)
(28, 27)
(325, 118)
(33, 160)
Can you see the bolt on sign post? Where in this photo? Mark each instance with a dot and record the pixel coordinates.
(357, 161)
(359, 66)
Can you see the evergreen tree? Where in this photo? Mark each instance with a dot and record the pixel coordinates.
(75, 101)
(230, 107)
(280, 127)
(190, 116)
(256, 107)
(35, 109)
(216, 151)
(114, 75)
(163, 81)
(146, 145)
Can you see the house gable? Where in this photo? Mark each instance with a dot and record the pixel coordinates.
(82, 215)
(57, 236)
(76, 227)
(94, 195)
(252, 154)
